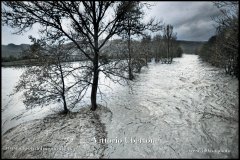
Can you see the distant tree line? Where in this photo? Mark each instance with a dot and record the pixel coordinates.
(9, 58)
(221, 50)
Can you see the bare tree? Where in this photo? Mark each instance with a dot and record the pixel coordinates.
(157, 47)
(49, 80)
(169, 37)
(227, 42)
(165, 46)
(71, 21)
(129, 25)
(146, 47)
(133, 25)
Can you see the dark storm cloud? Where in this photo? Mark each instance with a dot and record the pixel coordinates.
(191, 20)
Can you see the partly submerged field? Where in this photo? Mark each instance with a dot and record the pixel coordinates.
(187, 109)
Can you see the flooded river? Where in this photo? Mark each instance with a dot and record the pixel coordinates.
(187, 109)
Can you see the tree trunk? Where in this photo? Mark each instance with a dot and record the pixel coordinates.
(94, 84)
(63, 87)
(64, 104)
(95, 62)
(130, 74)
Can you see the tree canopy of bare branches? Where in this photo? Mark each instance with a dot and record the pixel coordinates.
(222, 49)
(71, 21)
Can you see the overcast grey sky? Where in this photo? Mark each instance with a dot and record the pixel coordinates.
(191, 20)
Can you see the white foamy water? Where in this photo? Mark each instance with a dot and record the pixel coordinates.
(187, 109)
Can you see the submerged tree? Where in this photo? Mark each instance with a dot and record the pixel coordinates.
(72, 21)
(133, 25)
(169, 37)
(166, 46)
(158, 47)
(49, 80)
(146, 47)
(179, 51)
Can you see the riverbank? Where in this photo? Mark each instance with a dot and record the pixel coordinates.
(72, 135)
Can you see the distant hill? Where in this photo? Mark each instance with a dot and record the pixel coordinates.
(13, 50)
(190, 47)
